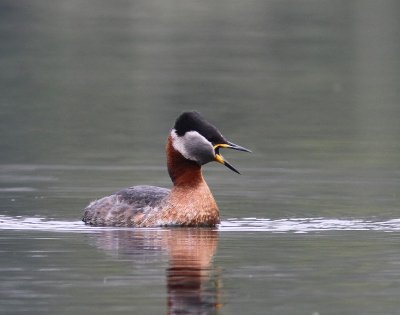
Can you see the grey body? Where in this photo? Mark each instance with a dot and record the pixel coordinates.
(128, 207)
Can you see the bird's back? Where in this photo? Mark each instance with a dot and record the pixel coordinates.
(127, 207)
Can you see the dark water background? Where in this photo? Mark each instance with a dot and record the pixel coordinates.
(88, 93)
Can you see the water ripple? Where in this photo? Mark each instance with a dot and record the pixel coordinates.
(294, 225)
(305, 225)
(41, 224)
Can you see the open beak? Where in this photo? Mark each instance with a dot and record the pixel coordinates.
(229, 145)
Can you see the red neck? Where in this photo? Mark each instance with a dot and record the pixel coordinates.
(182, 171)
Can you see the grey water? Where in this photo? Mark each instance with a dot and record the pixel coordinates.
(88, 93)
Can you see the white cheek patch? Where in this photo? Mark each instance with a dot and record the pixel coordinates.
(178, 143)
(190, 144)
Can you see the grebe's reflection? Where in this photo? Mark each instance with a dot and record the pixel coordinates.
(193, 284)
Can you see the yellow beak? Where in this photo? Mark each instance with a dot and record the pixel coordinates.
(219, 158)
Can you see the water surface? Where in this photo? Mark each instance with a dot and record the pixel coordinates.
(62, 267)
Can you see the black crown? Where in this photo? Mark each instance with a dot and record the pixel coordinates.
(194, 121)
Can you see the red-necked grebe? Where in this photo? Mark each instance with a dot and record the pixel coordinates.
(192, 143)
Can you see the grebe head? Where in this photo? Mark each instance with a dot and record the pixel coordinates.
(199, 141)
